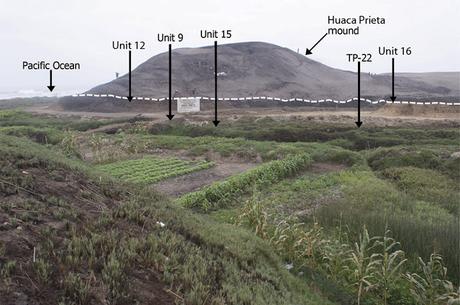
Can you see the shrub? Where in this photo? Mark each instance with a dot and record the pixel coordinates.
(39, 135)
(77, 289)
(363, 264)
(427, 185)
(43, 270)
(7, 269)
(254, 216)
(114, 276)
(389, 269)
(430, 285)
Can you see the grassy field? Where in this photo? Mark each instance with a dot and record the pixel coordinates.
(298, 130)
(113, 238)
(327, 215)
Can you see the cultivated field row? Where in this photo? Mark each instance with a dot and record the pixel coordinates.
(151, 169)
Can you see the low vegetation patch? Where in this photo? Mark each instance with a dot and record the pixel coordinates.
(440, 158)
(219, 193)
(13, 117)
(372, 268)
(369, 216)
(121, 246)
(421, 223)
(426, 185)
(347, 136)
(152, 169)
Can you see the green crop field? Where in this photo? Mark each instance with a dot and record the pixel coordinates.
(152, 169)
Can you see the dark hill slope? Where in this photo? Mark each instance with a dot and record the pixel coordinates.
(262, 69)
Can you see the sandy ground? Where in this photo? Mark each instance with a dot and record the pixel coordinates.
(387, 116)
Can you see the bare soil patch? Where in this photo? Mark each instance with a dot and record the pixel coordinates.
(181, 185)
(425, 111)
(322, 168)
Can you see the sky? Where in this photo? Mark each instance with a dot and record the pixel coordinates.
(82, 31)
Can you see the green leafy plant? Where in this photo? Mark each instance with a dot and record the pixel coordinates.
(309, 245)
(284, 238)
(114, 276)
(430, 286)
(77, 289)
(335, 256)
(43, 270)
(69, 144)
(390, 264)
(363, 264)
(254, 216)
(7, 269)
(451, 294)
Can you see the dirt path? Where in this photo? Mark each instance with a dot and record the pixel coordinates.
(107, 128)
(178, 186)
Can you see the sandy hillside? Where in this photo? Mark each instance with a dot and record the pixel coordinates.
(259, 69)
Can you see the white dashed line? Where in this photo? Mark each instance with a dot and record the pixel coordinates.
(269, 98)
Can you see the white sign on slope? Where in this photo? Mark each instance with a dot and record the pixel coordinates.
(188, 104)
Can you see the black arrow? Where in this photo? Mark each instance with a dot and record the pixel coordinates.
(393, 97)
(308, 52)
(51, 87)
(216, 122)
(130, 97)
(170, 115)
(359, 123)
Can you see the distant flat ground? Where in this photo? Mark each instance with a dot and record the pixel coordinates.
(388, 115)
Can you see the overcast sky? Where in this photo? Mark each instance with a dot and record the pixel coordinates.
(82, 31)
